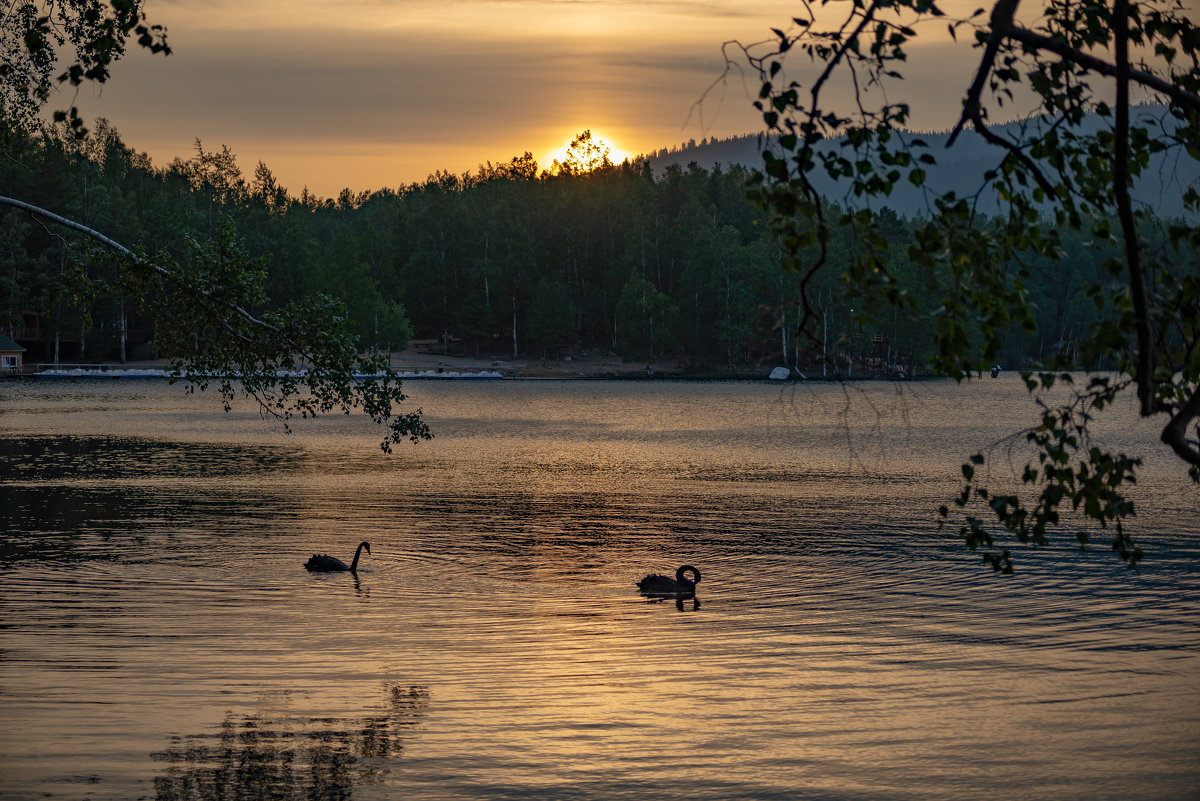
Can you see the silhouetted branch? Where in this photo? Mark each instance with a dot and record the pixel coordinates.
(1001, 22)
(117, 246)
(1036, 41)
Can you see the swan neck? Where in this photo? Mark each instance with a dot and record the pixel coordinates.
(357, 553)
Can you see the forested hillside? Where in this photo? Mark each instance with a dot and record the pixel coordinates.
(508, 260)
(959, 169)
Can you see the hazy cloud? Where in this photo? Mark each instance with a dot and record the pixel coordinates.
(387, 91)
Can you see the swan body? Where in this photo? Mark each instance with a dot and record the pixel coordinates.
(324, 563)
(655, 584)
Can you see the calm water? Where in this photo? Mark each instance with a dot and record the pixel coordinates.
(160, 639)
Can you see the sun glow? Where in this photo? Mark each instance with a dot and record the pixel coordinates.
(584, 153)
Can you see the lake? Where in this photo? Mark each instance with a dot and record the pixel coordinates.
(160, 638)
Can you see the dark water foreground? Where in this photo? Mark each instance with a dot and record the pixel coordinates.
(159, 638)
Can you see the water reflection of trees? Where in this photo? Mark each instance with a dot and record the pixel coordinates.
(282, 758)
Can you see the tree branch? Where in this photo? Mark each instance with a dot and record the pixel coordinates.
(1036, 41)
(117, 246)
(1000, 24)
(1002, 27)
(981, 128)
(1176, 431)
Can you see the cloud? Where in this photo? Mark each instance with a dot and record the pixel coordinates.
(391, 90)
(386, 86)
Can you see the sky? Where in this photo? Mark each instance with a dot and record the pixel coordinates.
(367, 94)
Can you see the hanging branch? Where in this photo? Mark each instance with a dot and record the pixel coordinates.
(141, 262)
(298, 361)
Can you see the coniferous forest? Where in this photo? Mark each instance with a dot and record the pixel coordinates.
(662, 266)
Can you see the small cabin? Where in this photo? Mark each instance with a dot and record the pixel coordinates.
(10, 355)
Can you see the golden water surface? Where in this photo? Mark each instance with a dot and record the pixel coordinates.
(160, 638)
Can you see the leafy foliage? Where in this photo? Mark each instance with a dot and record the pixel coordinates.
(299, 360)
(35, 35)
(1057, 176)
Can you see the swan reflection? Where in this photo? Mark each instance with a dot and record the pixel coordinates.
(263, 756)
(684, 603)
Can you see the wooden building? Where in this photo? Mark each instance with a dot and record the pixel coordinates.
(10, 355)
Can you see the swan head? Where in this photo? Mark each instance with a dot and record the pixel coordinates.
(682, 579)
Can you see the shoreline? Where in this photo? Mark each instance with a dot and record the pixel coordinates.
(425, 364)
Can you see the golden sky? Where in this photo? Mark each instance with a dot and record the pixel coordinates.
(368, 94)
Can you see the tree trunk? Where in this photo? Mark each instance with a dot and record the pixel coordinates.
(1133, 249)
(825, 342)
(124, 330)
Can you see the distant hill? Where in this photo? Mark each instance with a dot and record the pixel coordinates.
(960, 169)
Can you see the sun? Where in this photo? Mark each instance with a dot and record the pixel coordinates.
(586, 152)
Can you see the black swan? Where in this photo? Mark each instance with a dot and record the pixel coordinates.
(661, 585)
(325, 563)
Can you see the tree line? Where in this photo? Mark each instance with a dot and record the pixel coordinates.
(673, 266)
